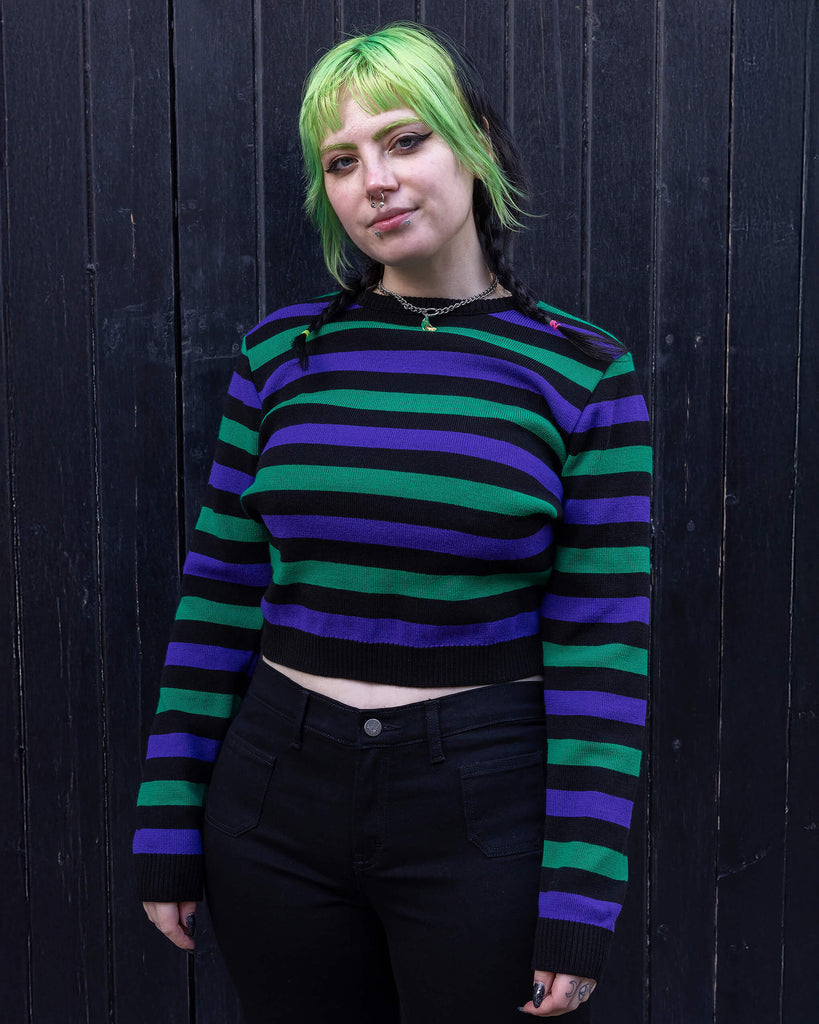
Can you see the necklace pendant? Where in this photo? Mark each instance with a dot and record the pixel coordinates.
(427, 326)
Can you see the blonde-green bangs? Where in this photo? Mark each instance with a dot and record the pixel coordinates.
(401, 65)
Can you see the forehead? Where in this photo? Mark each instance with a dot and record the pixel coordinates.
(360, 121)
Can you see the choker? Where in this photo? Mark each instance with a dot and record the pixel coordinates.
(428, 312)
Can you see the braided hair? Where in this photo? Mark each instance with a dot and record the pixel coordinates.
(493, 234)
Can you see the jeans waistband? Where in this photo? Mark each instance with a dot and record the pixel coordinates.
(408, 723)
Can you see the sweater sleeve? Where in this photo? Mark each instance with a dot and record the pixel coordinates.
(595, 648)
(212, 650)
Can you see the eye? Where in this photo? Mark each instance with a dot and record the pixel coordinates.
(407, 143)
(341, 163)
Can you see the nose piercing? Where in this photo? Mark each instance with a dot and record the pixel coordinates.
(381, 203)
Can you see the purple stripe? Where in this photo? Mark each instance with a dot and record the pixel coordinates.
(254, 574)
(596, 609)
(183, 744)
(223, 478)
(408, 535)
(167, 840)
(566, 803)
(244, 391)
(629, 409)
(218, 659)
(601, 511)
(453, 442)
(458, 365)
(595, 704)
(397, 632)
(564, 906)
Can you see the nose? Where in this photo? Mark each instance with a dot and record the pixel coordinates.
(379, 177)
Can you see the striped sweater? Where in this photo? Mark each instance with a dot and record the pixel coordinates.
(469, 506)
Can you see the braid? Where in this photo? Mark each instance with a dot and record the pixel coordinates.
(351, 289)
(494, 239)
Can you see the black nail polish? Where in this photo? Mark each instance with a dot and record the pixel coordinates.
(520, 1009)
(538, 993)
(190, 924)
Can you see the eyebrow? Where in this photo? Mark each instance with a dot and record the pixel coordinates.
(377, 136)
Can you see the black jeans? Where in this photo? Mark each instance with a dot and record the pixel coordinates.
(378, 866)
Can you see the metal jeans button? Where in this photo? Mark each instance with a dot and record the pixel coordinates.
(372, 727)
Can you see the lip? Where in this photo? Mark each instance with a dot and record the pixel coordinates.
(391, 221)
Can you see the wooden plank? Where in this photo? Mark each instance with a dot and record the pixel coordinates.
(216, 87)
(480, 27)
(689, 274)
(800, 937)
(545, 101)
(760, 417)
(291, 44)
(14, 972)
(359, 17)
(136, 425)
(52, 460)
(617, 235)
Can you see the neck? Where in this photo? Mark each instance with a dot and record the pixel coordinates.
(459, 281)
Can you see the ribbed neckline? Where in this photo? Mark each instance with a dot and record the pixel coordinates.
(387, 304)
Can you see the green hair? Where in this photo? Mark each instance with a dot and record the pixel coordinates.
(401, 65)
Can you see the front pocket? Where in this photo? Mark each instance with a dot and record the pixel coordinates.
(238, 787)
(505, 804)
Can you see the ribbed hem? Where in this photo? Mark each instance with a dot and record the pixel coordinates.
(402, 666)
(567, 947)
(169, 878)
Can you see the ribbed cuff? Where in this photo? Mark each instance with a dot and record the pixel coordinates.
(169, 878)
(567, 947)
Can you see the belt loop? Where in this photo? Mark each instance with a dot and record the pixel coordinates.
(436, 752)
(298, 723)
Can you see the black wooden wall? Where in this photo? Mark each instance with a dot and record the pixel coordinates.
(150, 215)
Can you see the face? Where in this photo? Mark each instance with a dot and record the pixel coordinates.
(396, 153)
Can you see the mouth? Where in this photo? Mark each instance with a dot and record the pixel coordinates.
(391, 222)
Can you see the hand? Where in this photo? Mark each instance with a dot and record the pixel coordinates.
(174, 920)
(564, 993)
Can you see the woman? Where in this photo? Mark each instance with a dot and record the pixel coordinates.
(451, 488)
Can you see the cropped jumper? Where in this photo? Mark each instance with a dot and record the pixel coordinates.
(455, 508)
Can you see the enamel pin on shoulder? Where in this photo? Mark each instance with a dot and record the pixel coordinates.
(429, 311)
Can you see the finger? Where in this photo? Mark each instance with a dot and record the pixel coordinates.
(166, 917)
(566, 995)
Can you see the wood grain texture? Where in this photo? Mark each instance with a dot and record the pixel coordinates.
(800, 936)
(690, 238)
(14, 967)
(764, 294)
(53, 466)
(135, 365)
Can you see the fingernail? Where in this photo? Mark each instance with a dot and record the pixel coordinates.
(520, 1009)
(538, 992)
(190, 924)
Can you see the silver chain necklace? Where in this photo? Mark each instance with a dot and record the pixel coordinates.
(427, 312)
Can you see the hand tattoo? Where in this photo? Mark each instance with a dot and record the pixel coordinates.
(572, 986)
(584, 992)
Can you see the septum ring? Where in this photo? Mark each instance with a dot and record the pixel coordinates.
(381, 203)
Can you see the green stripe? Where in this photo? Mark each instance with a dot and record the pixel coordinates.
(635, 458)
(433, 405)
(364, 579)
(617, 657)
(615, 757)
(171, 792)
(587, 857)
(238, 435)
(230, 527)
(198, 609)
(388, 483)
(572, 370)
(603, 560)
(562, 312)
(198, 702)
